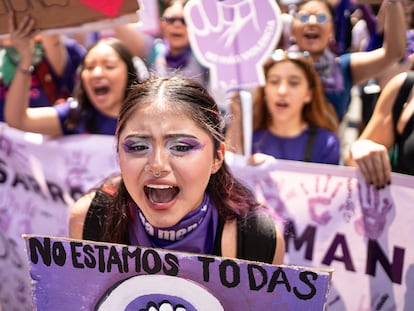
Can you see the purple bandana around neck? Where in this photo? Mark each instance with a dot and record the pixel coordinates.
(329, 72)
(195, 233)
(177, 61)
(328, 69)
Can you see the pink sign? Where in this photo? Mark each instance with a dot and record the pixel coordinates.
(110, 8)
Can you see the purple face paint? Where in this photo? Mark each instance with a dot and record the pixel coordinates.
(177, 146)
(184, 146)
(137, 146)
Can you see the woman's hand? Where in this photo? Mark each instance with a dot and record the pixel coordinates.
(373, 161)
(260, 158)
(21, 36)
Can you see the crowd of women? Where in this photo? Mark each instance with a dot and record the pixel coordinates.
(171, 135)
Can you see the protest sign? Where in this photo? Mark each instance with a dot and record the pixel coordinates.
(330, 217)
(79, 275)
(51, 14)
(233, 38)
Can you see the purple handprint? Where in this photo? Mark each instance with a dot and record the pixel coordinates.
(271, 197)
(78, 173)
(229, 37)
(374, 211)
(321, 197)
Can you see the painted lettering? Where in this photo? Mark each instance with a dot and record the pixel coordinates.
(151, 261)
(254, 272)
(261, 279)
(339, 251)
(29, 183)
(206, 267)
(106, 258)
(394, 270)
(114, 260)
(229, 273)
(307, 238)
(3, 172)
(279, 277)
(135, 255)
(47, 252)
(304, 277)
(339, 242)
(171, 265)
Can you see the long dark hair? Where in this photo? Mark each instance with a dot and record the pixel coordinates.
(232, 199)
(318, 113)
(84, 111)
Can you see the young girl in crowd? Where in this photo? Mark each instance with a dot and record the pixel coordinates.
(106, 73)
(291, 119)
(170, 145)
(313, 30)
(391, 126)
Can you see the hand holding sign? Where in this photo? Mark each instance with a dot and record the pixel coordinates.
(59, 14)
(229, 37)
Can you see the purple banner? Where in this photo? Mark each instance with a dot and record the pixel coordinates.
(78, 275)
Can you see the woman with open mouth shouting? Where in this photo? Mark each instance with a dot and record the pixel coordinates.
(313, 31)
(175, 191)
(106, 72)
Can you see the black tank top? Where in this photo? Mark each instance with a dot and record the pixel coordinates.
(256, 234)
(404, 142)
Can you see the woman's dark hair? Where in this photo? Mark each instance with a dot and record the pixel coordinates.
(232, 199)
(84, 111)
(318, 112)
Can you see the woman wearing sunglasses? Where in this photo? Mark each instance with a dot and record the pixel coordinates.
(290, 115)
(171, 54)
(313, 31)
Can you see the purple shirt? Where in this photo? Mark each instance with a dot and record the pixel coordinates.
(105, 125)
(325, 149)
(64, 85)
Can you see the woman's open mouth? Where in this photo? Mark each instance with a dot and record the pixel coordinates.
(158, 194)
(101, 90)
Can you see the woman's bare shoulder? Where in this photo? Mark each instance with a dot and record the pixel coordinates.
(78, 214)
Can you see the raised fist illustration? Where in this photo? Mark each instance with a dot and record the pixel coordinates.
(233, 37)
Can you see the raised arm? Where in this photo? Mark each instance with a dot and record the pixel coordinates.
(370, 151)
(55, 52)
(365, 65)
(132, 38)
(43, 120)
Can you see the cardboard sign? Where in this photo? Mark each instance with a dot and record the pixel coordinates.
(79, 275)
(50, 14)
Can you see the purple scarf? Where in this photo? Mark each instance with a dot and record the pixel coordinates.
(328, 69)
(195, 233)
(177, 61)
(329, 72)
